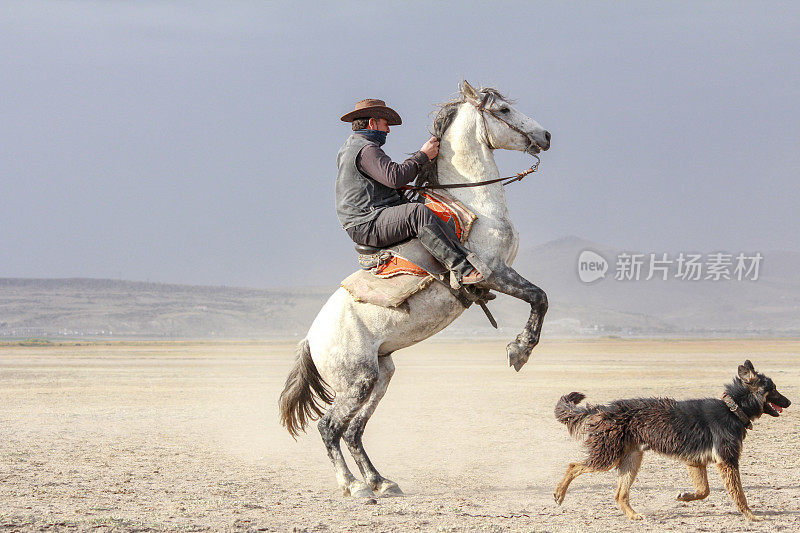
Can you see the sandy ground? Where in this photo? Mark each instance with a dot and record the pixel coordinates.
(185, 437)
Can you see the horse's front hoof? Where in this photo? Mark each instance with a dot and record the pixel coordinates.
(517, 355)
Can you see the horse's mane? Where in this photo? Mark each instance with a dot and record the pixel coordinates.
(445, 115)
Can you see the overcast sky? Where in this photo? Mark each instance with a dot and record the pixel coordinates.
(195, 142)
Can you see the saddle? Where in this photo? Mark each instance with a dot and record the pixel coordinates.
(410, 257)
(389, 276)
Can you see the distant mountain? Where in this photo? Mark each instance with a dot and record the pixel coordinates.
(769, 306)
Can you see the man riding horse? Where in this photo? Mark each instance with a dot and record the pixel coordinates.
(369, 204)
(344, 364)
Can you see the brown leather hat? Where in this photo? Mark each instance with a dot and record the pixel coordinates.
(373, 108)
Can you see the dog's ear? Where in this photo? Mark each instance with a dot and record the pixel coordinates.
(749, 365)
(747, 373)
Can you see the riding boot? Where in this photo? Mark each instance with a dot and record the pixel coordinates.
(446, 250)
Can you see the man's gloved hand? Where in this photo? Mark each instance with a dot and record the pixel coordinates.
(431, 148)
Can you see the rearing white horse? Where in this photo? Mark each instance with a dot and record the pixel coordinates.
(349, 345)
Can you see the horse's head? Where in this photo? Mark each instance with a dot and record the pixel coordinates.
(502, 125)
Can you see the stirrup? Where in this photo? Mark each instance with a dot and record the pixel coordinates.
(368, 260)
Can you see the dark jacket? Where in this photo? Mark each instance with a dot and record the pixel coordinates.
(368, 180)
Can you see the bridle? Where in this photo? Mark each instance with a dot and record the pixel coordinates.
(482, 109)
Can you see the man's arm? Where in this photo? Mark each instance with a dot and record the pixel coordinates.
(374, 162)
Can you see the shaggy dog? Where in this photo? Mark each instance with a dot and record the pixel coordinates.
(697, 432)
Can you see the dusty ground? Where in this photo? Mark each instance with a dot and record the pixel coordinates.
(181, 436)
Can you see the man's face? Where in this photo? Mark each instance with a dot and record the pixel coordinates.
(380, 124)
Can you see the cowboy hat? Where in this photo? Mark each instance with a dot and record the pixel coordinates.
(373, 108)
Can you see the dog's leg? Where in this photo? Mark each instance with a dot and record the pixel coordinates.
(699, 476)
(628, 468)
(733, 484)
(573, 470)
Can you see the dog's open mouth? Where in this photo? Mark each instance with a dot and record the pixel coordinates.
(772, 409)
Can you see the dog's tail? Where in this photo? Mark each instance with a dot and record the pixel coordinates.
(568, 413)
(305, 393)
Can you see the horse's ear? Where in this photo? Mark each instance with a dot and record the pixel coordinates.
(468, 91)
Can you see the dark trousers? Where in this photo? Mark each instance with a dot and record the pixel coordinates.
(398, 223)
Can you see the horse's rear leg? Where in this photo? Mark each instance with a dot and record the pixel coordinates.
(334, 423)
(352, 436)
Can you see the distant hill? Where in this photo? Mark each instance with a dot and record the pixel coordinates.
(101, 307)
(81, 307)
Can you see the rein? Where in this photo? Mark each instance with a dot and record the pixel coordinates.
(509, 179)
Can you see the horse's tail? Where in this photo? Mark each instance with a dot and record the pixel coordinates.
(568, 413)
(305, 393)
